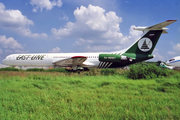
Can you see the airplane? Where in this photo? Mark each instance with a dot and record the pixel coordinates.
(166, 66)
(175, 61)
(140, 50)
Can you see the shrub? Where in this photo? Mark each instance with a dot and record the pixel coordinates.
(57, 70)
(9, 69)
(147, 71)
(35, 69)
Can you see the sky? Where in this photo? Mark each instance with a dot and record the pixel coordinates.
(68, 26)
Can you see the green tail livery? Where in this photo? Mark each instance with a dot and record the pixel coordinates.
(139, 51)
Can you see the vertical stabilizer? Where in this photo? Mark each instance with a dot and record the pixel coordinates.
(144, 46)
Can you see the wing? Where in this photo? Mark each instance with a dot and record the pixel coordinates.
(71, 62)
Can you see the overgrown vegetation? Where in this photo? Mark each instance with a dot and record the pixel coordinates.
(148, 71)
(56, 95)
(36, 69)
(9, 69)
(93, 72)
(143, 70)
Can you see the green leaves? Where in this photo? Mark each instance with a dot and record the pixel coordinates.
(147, 71)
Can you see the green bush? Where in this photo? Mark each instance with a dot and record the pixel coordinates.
(147, 71)
(57, 70)
(35, 69)
(9, 69)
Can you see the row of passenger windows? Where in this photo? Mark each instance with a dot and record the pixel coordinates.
(92, 56)
(70, 57)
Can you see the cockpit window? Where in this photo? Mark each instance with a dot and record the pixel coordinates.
(171, 60)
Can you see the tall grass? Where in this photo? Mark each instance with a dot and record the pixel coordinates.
(55, 95)
(93, 72)
(143, 70)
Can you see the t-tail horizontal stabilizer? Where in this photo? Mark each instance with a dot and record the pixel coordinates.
(160, 26)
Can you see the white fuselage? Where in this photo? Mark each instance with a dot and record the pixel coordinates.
(174, 61)
(47, 59)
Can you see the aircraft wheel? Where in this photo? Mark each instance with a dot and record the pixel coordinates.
(78, 71)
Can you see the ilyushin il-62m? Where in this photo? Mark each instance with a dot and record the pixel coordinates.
(139, 51)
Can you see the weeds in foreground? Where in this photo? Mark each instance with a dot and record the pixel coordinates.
(136, 71)
(53, 95)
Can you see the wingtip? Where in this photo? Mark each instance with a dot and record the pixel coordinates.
(171, 20)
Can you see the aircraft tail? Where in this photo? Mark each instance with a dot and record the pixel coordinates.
(163, 65)
(144, 46)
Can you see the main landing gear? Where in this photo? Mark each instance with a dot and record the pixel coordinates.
(78, 70)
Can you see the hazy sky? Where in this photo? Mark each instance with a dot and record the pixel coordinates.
(43, 26)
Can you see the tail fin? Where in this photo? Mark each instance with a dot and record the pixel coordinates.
(144, 46)
(161, 64)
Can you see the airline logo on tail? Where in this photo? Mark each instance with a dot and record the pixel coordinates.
(145, 44)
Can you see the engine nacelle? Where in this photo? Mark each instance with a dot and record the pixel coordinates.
(111, 58)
